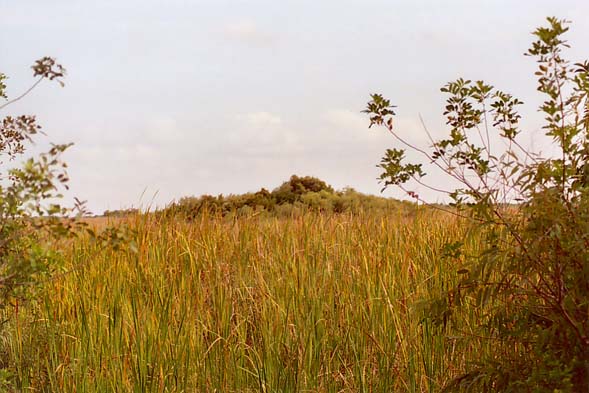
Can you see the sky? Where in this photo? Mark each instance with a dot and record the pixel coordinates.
(165, 99)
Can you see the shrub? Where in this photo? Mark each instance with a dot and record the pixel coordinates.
(530, 284)
(121, 213)
(32, 218)
(30, 214)
(295, 187)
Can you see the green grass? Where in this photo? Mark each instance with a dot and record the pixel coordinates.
(315, 303)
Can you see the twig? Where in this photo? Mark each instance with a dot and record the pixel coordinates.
(22, 95)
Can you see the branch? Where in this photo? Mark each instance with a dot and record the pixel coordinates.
(431, 205)
(22, 95)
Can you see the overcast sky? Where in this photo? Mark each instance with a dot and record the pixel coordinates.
(165, 99)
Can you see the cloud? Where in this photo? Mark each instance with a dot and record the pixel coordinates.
(411, 129)
(346, 128)
(262, 133)
(247, 32)
(345, 119)
(164, 130)
(261, 119)
(344, 131)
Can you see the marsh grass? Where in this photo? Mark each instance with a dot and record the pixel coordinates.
(312, 303)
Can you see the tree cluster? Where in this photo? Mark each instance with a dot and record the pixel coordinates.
(296, 195)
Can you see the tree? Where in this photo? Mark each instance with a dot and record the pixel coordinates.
(292, 190)
(531, 281)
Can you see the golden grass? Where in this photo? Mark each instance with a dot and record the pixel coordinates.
(315, 303)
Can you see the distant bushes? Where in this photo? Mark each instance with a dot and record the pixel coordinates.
(120, 213)
(297, 195)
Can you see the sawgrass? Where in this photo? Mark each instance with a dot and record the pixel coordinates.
(312, 303)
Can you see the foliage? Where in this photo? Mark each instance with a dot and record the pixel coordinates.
(34, 224)
(530, 283)
(295, 196)
(30, 214)
(120, 213)
(292, 190)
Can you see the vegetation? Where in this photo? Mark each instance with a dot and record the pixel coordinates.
(30, 216)
(530, 281)
(317, 302)
(120, 213)
(305, 288)
(34, 224)
(294, 197)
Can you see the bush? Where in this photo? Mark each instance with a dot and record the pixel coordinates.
(34, 224)
(31, 217)
(530, 284)
(121, 213)
(292, 190)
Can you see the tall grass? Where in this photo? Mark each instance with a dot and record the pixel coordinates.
(314, 303)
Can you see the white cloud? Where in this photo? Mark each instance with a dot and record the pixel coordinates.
(164, 129)
(344, 130)
(261, 119)
(139, 153)
(346, 119)
(344, 126)
(247, 32)
(410, 129)
(263, 133)
(244, 28)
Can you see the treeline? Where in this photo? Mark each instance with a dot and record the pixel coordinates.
(121, 212)
(297, 195)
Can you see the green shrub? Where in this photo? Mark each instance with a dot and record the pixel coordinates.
(34, 224)
(293, 189)
(30, 214)
(530, 284)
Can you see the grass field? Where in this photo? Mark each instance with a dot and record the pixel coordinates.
(313, 303)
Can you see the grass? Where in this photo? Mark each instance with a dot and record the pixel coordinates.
(313, 303)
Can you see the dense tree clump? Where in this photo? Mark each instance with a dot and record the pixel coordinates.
(297, 195)
(293, 190)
